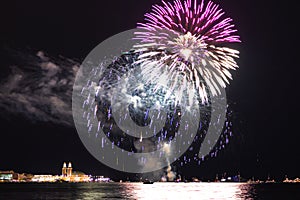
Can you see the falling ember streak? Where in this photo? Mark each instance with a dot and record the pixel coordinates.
(188, 38)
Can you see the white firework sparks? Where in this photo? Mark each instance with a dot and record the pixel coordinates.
(183, 43)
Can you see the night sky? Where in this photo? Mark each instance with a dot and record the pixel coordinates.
(263, 95)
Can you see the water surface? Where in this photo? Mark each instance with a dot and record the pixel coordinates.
(91, 191)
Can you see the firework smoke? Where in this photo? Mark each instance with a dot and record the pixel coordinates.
(187, 40)
(38, 87)
(170, 174)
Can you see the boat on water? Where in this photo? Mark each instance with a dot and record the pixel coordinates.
(147, 182)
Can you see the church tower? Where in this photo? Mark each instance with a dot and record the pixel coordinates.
(69, 169)
(64, 170)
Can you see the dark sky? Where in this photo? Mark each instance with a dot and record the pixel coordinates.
(263, 95)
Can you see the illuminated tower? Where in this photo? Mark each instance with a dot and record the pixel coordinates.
(69, 169)
(64, 170)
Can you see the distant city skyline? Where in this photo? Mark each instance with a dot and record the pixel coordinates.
(67, 175)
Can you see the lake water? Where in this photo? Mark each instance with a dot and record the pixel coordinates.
(91, 191)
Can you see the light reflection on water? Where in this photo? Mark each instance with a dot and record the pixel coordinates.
(186, 190)
(92, 191)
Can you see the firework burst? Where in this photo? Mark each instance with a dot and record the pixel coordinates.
(187, 40)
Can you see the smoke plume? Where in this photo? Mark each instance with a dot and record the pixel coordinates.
(38, 88)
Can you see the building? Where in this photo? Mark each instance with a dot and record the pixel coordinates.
(69, 175)
(24, 177)
(66, 171)
(7, 176)
(45, 178)
(69, 169)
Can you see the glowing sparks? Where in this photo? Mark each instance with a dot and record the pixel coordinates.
(188, 39)
(147, 101)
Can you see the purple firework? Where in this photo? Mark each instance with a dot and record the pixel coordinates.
(188, 38)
